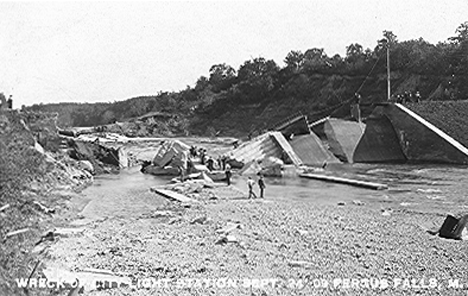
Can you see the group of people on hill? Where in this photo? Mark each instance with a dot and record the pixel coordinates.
(407, 97)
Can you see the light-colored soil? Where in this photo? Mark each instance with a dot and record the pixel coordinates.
(303, 230)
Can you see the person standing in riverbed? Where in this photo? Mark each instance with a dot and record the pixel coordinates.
(261, 185)
(251, 184)
(228, 174)
(181, 170)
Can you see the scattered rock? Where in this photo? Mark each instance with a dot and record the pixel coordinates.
(386, 212)
(302, 232)
(66, 232)
(39, 249)
(435, 197)
(341, 203)
(227, 239)
(300, 263)
(86, 165)
(3, 208)
(228, 228)
(161, 214)
(43, 208)
(428, 190)
(199, 220)
(358, 202)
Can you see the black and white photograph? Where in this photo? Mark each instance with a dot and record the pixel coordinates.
(227, 147)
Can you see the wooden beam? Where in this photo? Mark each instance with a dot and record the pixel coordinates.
(172, 195)
(358, 183)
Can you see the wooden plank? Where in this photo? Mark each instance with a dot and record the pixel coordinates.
(16, 232)
(172, 195)
(358, 183)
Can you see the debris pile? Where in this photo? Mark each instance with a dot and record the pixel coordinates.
(171, 157)
(200, 190)
(269, 167)
(97, 158)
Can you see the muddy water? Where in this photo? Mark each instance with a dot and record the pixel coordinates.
(421, 188)
(124, 195)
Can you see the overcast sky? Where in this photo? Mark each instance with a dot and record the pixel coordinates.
(89, 52)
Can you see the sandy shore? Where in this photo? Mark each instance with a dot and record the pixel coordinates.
(297, 246)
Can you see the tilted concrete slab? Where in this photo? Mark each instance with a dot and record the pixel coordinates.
(167, 151)
(343, 137)
(269, 144)
(256, 149)
(311, 151)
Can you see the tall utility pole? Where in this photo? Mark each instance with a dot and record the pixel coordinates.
(388, 71)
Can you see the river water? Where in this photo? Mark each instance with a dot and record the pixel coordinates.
(426, 188)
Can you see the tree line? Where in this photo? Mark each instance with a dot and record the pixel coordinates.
(260, 92)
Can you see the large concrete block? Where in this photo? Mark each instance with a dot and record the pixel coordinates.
(343, 137)
(379, 143)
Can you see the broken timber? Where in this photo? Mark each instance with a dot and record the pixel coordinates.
(172, 195)
(16, 232)
(358, 183)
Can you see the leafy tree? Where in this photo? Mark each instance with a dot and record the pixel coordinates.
(462, 34)
(354, 53)
(256, 78)
(294, 61)
(315, 60)
(222, 76)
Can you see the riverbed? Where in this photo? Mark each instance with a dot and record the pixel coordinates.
(302, 230)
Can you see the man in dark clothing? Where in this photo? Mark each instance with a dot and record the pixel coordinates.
(261, 185)
(210, 164)
(228, 174)
(10, 103)
(202, 156)
(193, 151)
